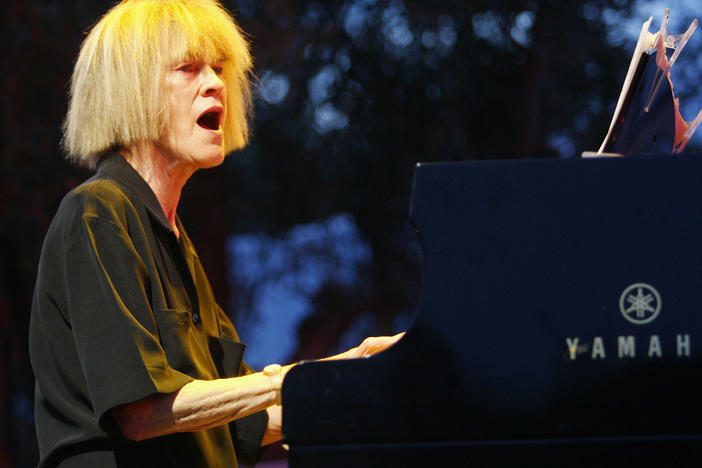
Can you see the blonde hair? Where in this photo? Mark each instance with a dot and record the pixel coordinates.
(116, 95)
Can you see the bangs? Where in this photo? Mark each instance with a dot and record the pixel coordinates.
(194, 32)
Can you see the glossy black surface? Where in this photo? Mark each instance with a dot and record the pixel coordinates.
(519, 257)
(640, 131)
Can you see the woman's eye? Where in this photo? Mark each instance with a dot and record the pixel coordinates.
(217, 69)
(186, 67)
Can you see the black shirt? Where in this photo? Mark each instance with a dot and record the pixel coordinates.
(122, 310)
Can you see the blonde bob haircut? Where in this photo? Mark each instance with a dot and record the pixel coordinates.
(117, 94)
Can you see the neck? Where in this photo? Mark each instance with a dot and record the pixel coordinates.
(164, 175)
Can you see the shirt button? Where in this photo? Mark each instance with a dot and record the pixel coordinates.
(196, 319)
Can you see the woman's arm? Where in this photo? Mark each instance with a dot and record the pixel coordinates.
(199, 404)
(202, 404)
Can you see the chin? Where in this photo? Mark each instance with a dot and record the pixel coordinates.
(212, 160)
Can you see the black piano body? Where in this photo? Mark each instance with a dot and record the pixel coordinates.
(560, 324)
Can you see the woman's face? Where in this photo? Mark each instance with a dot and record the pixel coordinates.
(196, 96)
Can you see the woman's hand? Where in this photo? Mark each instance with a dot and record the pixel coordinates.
(375, 344)
(370, 346)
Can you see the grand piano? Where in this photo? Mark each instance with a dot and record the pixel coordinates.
(559, 325)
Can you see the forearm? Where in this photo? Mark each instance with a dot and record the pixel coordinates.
(202, 404)
(197, 405)
(205, 404)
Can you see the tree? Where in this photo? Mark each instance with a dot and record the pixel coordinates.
(352, 93)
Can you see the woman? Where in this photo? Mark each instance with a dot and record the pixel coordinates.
(136, 365)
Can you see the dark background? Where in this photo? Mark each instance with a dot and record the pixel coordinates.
(351, 94)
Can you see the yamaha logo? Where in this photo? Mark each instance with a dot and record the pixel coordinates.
(640, 303)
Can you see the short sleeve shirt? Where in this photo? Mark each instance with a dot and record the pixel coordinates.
(122, 310)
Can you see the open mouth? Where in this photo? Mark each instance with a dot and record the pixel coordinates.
(210, 120)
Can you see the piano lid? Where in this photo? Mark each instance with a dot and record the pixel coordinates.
(560, 302)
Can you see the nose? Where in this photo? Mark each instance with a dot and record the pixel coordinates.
(212, 83)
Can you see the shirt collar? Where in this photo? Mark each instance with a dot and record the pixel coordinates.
(113, 166)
